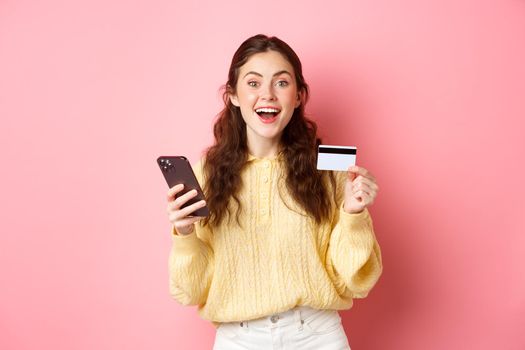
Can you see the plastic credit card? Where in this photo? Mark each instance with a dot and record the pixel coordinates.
(338, 158)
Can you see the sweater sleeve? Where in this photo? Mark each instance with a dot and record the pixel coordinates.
(354, 257)
(191, 261)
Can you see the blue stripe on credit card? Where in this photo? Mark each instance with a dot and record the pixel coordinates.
(338, 158)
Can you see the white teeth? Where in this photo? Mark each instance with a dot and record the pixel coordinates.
(267, 110)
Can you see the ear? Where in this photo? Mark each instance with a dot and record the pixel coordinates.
(234, 100)
(299, 99)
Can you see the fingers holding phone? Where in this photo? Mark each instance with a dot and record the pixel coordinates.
(186, 203)
(179, 215)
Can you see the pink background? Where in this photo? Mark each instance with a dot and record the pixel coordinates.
(91, 92)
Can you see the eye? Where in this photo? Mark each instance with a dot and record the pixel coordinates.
(282, 83)
(253, 83)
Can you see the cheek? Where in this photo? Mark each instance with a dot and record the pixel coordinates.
(290, 96)
(247, 97)
(247, 102)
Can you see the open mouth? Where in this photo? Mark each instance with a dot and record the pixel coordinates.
(267, 113)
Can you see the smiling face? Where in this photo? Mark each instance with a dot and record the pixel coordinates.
(267, 95)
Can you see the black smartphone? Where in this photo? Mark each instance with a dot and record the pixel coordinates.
(177, 170)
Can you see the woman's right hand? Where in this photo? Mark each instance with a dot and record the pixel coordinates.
(179, 217)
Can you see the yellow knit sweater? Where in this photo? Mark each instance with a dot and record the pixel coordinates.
(280, 257)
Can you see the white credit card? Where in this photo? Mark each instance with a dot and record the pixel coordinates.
(338, 158)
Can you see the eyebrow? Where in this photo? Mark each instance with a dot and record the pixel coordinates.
(276, 74)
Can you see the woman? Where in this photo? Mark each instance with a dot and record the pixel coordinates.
(285, 245)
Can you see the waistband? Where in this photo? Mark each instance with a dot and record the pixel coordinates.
(297, 314)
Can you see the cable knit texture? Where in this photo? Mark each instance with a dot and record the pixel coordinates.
(278, 259)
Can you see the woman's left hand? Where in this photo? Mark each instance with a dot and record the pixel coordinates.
(360, 190)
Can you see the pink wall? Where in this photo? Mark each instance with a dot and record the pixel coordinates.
(91, 92)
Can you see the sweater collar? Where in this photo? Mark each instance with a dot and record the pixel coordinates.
(279, 156)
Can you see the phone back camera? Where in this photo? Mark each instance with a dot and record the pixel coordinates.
(166, 165)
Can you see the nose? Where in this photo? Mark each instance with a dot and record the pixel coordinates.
(267, 93)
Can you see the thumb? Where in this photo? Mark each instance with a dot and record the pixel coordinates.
(352, 172)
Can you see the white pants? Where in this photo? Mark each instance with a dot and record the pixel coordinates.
(299, 328)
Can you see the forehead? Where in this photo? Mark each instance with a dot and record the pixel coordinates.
(266, 63)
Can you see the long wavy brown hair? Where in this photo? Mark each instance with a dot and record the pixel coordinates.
(225, 160)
